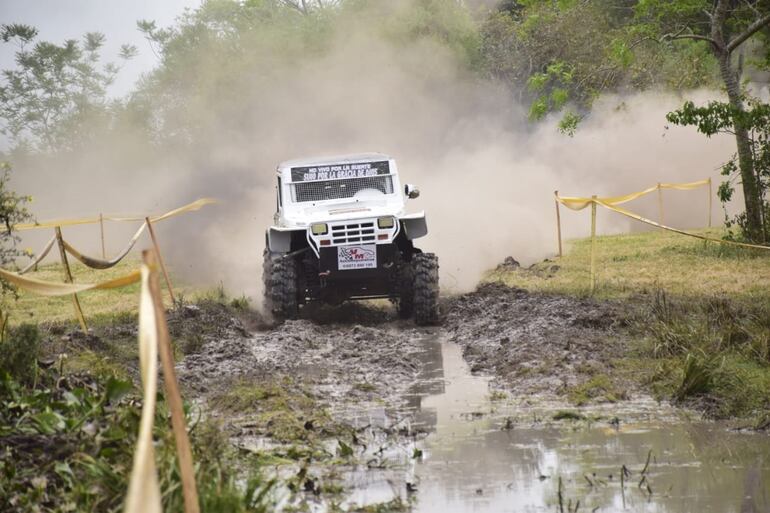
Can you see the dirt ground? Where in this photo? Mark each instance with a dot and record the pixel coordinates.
(333, 388)
(535, 343)
(527, 342)
(327, 397)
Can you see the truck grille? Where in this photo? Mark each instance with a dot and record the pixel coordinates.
(339, 189)
(353, 232)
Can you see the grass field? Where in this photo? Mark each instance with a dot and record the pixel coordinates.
(640, 263)
(627, 265)
(95, 303)
(699, 315)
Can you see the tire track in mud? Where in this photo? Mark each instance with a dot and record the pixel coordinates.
(536, 343)
(359, 357)
(348, 376)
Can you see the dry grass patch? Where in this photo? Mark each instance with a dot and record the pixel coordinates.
(96, 304)
(644, 262)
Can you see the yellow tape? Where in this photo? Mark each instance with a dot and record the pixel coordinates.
(143, 489)
(98, 263)
(576, 203)
(195, 205)
(685, 186)
(47, 288)
(675, 230)
(40, 256)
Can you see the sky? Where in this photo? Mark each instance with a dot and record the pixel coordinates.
(58, 20)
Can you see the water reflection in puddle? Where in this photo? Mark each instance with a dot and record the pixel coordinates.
(471, 463)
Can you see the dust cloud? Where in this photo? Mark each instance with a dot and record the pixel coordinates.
(487, 175)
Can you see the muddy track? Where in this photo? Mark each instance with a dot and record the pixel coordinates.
(360, 357)
(348, 376)
(333, 358)
(535, 343)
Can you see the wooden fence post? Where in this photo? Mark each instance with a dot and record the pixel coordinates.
(660, 204)
(593, 244)
(68, 279)
(710, 199)
(173, 397)
(160, 259)
(558, 220)
(101, 227)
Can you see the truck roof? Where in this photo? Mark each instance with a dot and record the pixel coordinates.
(337, 159)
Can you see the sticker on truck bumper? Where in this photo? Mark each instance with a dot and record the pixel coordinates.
(357, 257)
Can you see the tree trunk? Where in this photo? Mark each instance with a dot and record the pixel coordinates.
(731, 78)
(745, 158)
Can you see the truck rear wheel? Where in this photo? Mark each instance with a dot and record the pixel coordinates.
(279, 276)
(425, 269)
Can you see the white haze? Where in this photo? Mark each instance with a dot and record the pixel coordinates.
(487, 176)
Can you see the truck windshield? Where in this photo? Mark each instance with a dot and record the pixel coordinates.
(364, 187)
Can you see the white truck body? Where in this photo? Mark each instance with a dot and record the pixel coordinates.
(349, 193)
(341, 232)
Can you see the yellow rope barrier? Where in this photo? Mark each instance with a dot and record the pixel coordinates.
(143, 494)
(577, 203)
(48, 288)
(611, 203)
(143, 489)
(195, 205)
(676, 230)
(98, 263)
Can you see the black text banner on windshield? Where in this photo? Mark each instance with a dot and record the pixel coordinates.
(339, 171)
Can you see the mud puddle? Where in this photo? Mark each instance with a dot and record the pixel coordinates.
(373, 411)
(486, 455)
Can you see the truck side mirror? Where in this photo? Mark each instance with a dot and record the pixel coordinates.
(411, 191)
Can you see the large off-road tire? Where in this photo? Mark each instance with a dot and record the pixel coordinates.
(405, 301)
(279, 276)
(425, 269)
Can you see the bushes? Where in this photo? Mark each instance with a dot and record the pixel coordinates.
(714, 352)
(67, 443)
(19, 352)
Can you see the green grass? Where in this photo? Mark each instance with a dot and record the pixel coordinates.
(699, 317)
(68, 442)
(33, 308)
(98, 305)
(282, 409)
(599, 387)
(630, 264)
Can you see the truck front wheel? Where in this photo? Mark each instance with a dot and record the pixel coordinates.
(425, 269)
(279, 276)
(405, 302)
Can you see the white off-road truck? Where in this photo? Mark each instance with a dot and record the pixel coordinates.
(341, 232)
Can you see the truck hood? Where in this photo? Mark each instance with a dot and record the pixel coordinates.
(342, 211)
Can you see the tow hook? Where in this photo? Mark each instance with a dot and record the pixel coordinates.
(322, 277)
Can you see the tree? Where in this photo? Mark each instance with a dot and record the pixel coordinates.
(13, 210)
(54, 88)
(559, 56)
(725, 25)
(722, 117)
(227, 53)
(305, 6)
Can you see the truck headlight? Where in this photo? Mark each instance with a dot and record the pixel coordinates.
(319, 229)
(385, 222)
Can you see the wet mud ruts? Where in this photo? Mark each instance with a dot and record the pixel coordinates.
(533, 342)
